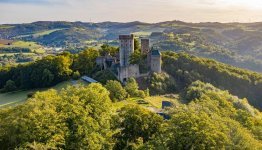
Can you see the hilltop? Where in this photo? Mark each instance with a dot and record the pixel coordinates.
(179, 104)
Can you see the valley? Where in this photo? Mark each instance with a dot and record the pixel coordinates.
(237, 44)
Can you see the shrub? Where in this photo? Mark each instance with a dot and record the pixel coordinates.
(76, 75)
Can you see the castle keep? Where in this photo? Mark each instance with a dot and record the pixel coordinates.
(126, 48)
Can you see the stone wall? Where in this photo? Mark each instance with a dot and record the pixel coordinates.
(145, 46)
(127, 72)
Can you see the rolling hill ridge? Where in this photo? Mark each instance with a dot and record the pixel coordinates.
(237, 44)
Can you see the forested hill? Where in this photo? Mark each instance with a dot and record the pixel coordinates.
(187, 69)
(238, 44)
(117, 117)
(183, 67)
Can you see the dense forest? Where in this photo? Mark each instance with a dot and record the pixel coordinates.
(187, 69)
(85, 117)
(52, 70)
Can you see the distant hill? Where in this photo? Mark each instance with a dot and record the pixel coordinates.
(238, 44)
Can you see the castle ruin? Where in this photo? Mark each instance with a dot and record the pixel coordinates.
(127, 70)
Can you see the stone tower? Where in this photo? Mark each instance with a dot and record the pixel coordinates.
(155, 63)
(145, 46)
(126, 49)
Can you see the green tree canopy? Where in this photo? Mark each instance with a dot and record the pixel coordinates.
(10, 86)
(161, 83)
(136, 125)
(133, 90)
(117, 92)
(47, 77)
(75, 118)
(107, 49)
(86, 61)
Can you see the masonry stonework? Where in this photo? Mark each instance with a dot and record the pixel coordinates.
(155, 61)
(145, 46)
(126, 48)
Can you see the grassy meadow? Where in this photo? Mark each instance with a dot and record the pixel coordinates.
(45, 32)
(33, 46)
(6, 26)
(153, 103)
(14, 98)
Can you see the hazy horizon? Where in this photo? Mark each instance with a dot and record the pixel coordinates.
(123, 22)
(149, 11)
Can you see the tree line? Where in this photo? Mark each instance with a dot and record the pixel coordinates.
(52, 69)
(14, 50)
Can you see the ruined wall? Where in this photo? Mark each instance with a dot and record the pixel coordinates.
(145, 46)
(127, 72)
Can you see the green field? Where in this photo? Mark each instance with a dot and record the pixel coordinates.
(9, 99)
(6, 26)
(11, 54)
(14, 98)
(46, 32)
(38, 34)
(142, 33)
(156, 101)
(152, 102)
(34, 47)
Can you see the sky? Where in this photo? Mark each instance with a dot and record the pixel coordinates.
(25, 11)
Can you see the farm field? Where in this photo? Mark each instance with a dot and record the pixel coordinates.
(34, 47)
(46, 32)
(12, 54)
(40, 33)
(6, 26)
(142, 33)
